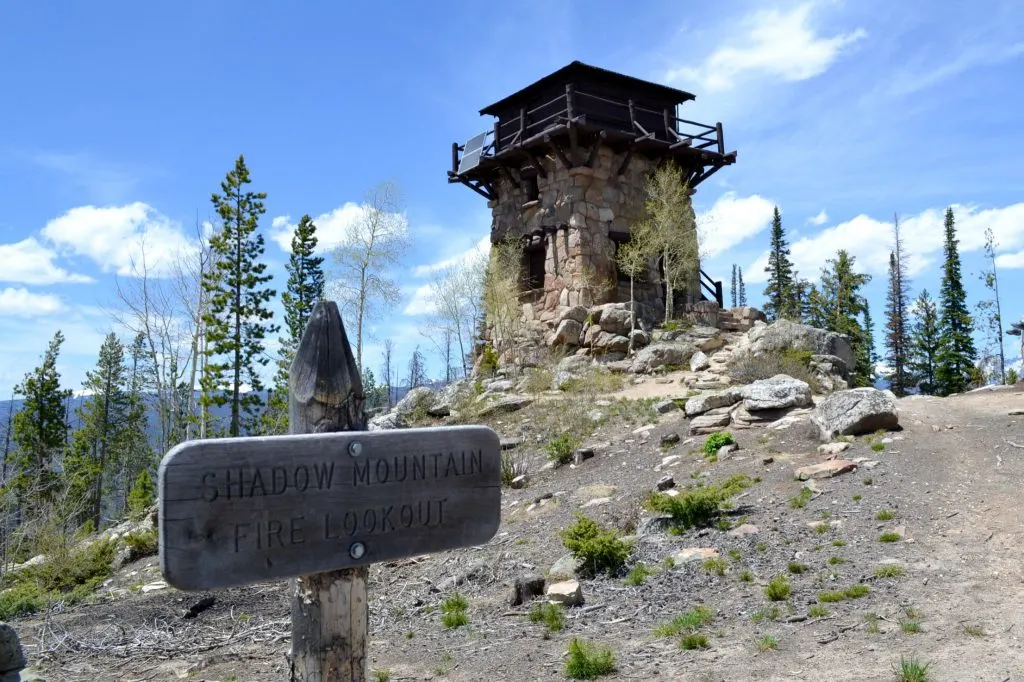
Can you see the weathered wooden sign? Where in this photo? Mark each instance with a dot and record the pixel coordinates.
(235, 511)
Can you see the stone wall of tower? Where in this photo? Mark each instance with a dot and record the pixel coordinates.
(576, 211)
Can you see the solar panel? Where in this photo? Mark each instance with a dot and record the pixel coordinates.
(471, 153)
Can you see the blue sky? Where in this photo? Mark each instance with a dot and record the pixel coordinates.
(120, 118)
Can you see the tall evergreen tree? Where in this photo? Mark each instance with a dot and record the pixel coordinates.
(924, 344)
(238, 318)
(870, 358)
(734, 290)
(957, 355)
(417, 369)
(39, 430)
(897, 336)
(779, 291)
(841, 307)
(801, 299)
(135, 451)
(742, 287)
(91, 463)
(305, 287)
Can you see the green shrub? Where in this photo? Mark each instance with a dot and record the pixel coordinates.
(142, 496)
(694, 641)
(748, 368)
(699, 506)
(561, 447)
(690, 621)
(552, 615)
(716, 441)
(800, 501)
(796, 568)
(1012, 377)
(21, 600)
(638, 576)
(598, 548)
(587, 661)
(715, 565)
(489, 361)
(778, 588)
(453, 611)
(141, 544)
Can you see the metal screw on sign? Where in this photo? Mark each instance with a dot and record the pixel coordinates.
(357, 550)
(355, 448)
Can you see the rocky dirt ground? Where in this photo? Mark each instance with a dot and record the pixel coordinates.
(951, 478)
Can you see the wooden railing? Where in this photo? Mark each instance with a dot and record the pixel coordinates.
(713, 288)
(622, 116)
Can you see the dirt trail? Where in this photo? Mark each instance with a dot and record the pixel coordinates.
(956, 493)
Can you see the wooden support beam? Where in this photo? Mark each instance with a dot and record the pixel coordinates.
(330, 613)
(680, 143)
(625, 161)
(570, 107)
(592, 157)
(701, 176)
(537, 163)
(497, 136)
(558, 151)
(522, 124)
(721, 138)
(455, 157)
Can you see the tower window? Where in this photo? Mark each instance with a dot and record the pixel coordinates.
(534, 256)
(531, 188)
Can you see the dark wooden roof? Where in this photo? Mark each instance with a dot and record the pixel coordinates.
(577, 70)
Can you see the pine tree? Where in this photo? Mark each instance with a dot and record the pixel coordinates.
(136, 452)
(870, 358)
(39, 430)
(305, 287)
(957, 355)
(743, 288)
(779, 292)
(991, 314)
(841, 306)
(91, 463)
(924, 344)
(897, 337)
(417, 369)
(733, 290)
(801, 299)
(237, 321)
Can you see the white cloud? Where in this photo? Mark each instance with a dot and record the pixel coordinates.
(116, 236)
(29, 262)
(23, 303)
(819, 219)
(778, 44)
(331, 228)
(1010, 261)
(421, 303)
(731, 220)
(922, 236)
(481, 248)
(981, 54)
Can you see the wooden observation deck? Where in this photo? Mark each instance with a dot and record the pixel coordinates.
(572, 112)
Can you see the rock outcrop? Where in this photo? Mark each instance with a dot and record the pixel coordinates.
(855, 411)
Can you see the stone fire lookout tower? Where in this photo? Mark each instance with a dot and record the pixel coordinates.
(563, 171)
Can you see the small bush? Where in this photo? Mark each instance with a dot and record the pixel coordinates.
(768, 643)
(1012, 377)
(885, 515)
(748, 368)
(800, 500)
(690, 621)
(768, 613)
(889, 571)
(21, 600)
(552, 615)
(382, 675)
(746, 576)
(715, 565)
(489, 362)
(694, 641)
(889, 536)
(797, 568)
(141, 496)
(699, 506)
(561, 447)
(910, 626)
(911, 670)
(598, 548)
(638, 576)
(856, 591)
(512, 465)
(587, 661)
(878, 447)
(817, 611)
(453, 611)
(141, 544)
(778, 588)
(716, 441)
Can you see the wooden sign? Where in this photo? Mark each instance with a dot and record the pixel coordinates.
(235, 511)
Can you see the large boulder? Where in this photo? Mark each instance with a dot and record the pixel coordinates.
(417, 399)
(779, 392)
(699, 404)
(606, 342)
(854, 412)
(615, 321)
(662, 353)
(567, 333)
(387, 422)
(783, 335)
(576, 312)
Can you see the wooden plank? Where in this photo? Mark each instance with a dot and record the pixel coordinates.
(244, 510)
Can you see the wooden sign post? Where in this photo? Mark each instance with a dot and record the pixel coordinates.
(322, 504)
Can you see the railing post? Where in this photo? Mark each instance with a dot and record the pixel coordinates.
(330, 612)
(455, 157)
(569, 107)
(721, 138)
(632, 116)
(719, 295)
(668, 125)
(497, 135)
(522, 124)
